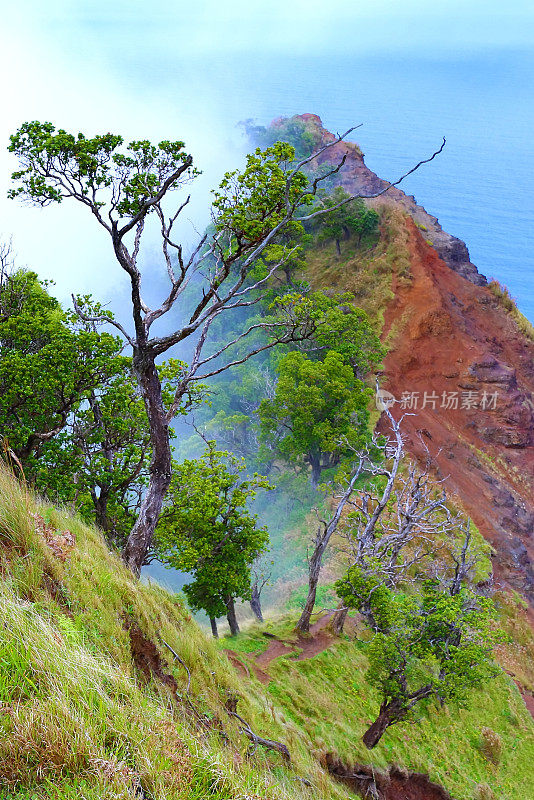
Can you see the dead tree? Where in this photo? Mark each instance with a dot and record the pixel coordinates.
(391, 533)
(122, 188)
(321, 541)
(260, 579)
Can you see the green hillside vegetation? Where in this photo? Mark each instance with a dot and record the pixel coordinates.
(329, 696)
(93, 704)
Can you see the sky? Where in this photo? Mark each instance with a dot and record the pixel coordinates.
(148, 69)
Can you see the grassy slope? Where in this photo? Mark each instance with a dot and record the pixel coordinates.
(329, 697)
(78, 721)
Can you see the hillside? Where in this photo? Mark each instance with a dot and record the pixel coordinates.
(95, 703)
(450, 331)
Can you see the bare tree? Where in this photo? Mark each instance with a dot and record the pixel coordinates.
(321, 541)
(122, 189)
(260, 578)
(388, 531)
(392, 532)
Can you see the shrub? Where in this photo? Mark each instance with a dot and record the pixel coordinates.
(491, 745)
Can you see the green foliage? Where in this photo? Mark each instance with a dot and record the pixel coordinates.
(342, 327)
(100, 461)
(431, 644)
(57, 164)
(207, 529)
(48, 366)
(304, 138)
(349, 219)
(251, 203)
(318, 410)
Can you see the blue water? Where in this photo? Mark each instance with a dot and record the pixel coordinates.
(479, 188)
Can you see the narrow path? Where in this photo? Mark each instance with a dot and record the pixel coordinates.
(304, 647)
(244, 667)
(309, 646)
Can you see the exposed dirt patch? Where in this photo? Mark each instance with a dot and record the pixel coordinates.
(314, 645)
(305, 646)
(244, 667)
(528, 697)
(396, 784)
(146, 657)
(276, 649)
(486, 453)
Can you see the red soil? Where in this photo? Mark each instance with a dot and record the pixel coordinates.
(455, 337)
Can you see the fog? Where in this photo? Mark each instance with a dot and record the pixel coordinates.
(158, 70)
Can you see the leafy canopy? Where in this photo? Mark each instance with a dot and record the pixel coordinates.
(48, 365)
(429, 644)
(319, 408)
(207, 529)
(57, 164)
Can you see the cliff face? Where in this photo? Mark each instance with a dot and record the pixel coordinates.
(464, 373)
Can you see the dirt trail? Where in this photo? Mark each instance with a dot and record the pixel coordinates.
(244, 667)
(304, 647)
(309, 646)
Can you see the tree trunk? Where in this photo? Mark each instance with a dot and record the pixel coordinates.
(142, 533)
(255, 602)
(315, 462)
(390, 713)
(338, 247)
(214, 631)
(338, 619)
(315, 567)
(231, 617)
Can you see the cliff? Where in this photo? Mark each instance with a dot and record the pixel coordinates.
(452, 337)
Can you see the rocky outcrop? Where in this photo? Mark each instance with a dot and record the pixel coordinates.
(464, 373)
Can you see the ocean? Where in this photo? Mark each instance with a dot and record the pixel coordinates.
(479, 188)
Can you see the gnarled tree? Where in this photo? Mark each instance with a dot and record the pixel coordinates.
(122, 187)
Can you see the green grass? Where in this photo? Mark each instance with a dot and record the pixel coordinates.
(79, 719)
(328, 696)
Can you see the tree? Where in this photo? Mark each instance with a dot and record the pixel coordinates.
(124, 186)
(436, 644)
(396, 521)
(350, 218)
(207, 529)
(48, 366)
(318, 407)
(261, 575)
(100, 460)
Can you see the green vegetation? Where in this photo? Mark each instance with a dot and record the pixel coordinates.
(330, 695)
(436, 644)
(508, 303)
(317, 405)
(346, 218)
(81, 714)
(207, 529)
